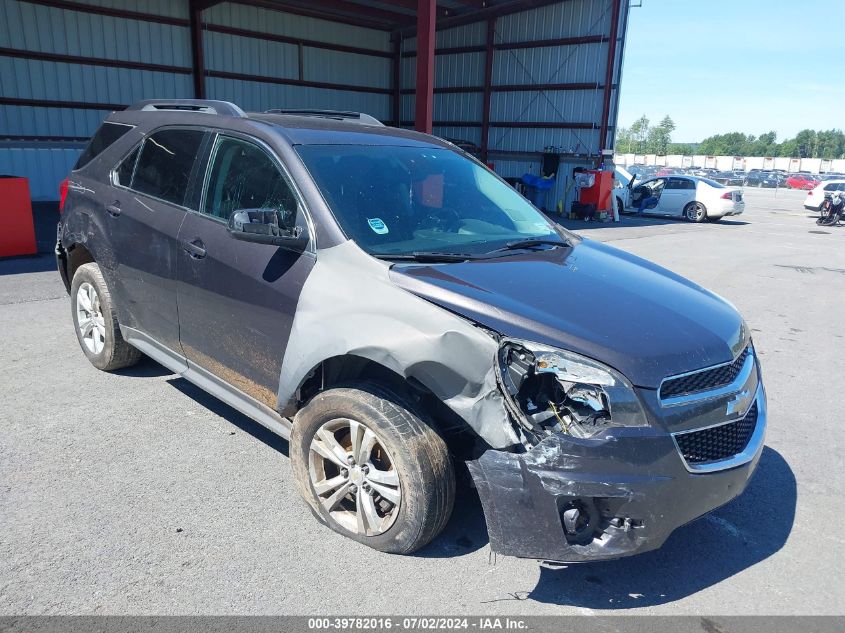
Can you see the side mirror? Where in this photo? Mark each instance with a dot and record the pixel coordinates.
(263, 226)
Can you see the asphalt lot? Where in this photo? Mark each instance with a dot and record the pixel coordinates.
(136, 493)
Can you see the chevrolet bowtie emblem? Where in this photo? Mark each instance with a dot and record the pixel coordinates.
(732, 404)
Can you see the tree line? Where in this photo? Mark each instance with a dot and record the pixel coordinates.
(643, 138)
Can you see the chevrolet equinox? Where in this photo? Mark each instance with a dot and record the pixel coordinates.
(394, 309)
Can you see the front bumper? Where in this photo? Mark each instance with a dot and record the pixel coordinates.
(634, 486)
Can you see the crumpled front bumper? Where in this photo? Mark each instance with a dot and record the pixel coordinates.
(634, 485)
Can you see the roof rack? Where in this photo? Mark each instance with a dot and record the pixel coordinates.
(339, 115)
(204, 106)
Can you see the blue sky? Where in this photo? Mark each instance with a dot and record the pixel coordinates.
(735, 65)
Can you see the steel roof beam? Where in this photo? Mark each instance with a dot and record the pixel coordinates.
(350, 13)
(494, 11)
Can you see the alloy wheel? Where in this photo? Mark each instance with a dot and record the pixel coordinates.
(354, 477)
(89, 318)
(695, 212)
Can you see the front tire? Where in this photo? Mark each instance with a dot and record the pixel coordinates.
(95, 321)
(695, 212)
(372, 469)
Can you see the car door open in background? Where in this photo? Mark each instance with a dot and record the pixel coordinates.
(145, 216)
(237, 298)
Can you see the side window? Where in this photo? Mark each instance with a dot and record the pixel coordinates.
(674, 183)
(124, 171)
(242, 176)
(164, 166)
(105, 136)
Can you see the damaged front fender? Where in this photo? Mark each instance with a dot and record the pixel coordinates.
(366, 315)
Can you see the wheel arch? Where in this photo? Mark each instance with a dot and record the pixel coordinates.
(346, 369)
(70, 258)
(77, 255)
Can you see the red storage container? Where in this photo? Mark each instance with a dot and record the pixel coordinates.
(599, 194)
(17, 232)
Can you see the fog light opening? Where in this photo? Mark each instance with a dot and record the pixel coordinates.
(580, 520)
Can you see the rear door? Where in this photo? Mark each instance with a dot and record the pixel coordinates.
(145, 209)
(677, 193)
(237, 299)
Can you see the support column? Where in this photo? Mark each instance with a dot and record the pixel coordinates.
(609, 74)
(197, 57)
(488, 89)
(426, 16)
(396, 97)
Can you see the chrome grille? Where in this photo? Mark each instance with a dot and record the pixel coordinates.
(718, 443)
(704, 380)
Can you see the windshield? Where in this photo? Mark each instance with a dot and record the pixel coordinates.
(402, 200)
(712, 183)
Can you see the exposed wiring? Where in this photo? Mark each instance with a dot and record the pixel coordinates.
(559, 419)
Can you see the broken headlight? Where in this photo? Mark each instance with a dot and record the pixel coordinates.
(556, 391)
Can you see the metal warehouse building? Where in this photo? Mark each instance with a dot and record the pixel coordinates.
(513, 77)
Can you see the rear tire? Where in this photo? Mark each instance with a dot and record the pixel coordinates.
(695, 212)
(95, 321)
(394, 496)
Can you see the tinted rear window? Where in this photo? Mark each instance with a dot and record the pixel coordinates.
(164, 166)
(105, 136)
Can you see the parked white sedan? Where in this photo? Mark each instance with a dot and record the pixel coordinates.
(691, 197)
(815, 197)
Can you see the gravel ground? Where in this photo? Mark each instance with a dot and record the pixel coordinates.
(136, 493)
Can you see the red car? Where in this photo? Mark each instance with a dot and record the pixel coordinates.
(669, 171)
(802, 181)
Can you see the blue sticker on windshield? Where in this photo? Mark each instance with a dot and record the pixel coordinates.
(377, 225)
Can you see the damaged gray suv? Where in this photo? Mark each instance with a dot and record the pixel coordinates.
(396, 310)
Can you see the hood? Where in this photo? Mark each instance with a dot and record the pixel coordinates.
(593, 299)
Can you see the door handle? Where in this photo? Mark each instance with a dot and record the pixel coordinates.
(114, 209)
(195, 248)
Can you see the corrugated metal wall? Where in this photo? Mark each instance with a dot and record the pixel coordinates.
(50, 103)
(49, 134)
(244, 55)
(517, 150)
(456, 70)
(38, 28)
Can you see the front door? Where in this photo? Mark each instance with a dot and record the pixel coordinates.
(237, 299)
(145, 210)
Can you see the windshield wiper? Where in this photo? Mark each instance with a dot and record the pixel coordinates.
(534, 241)
(434, 256)
(427, 256)
(530, 243)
